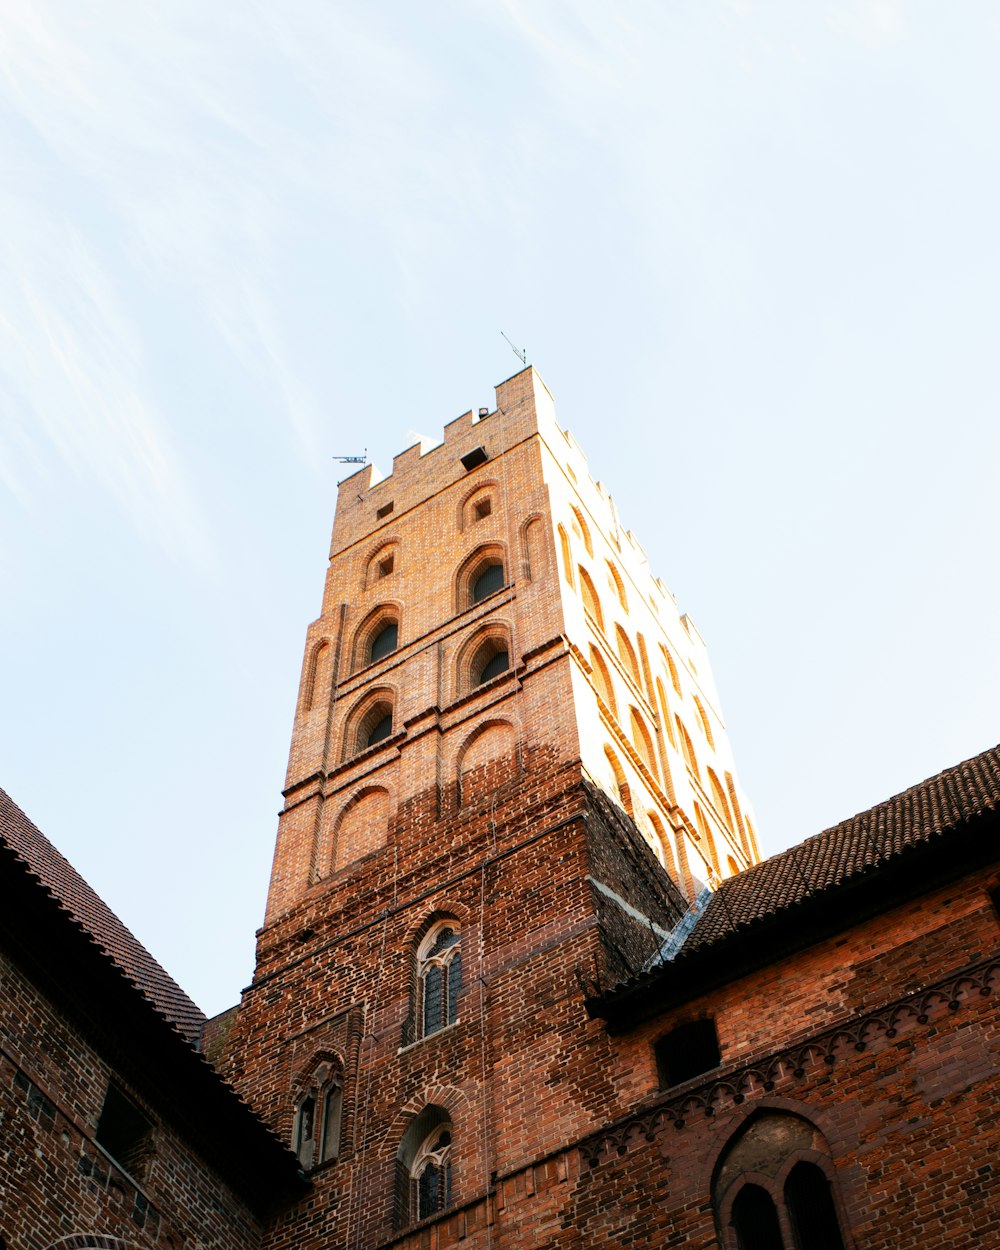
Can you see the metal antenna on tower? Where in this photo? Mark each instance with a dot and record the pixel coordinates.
(520, 353)
(352, 459)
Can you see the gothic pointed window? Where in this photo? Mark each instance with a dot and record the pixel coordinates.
(789, 1203)
(439, 978)
(305, 1130)
(316, 1135)
(755, 1220)
(432, 1174)
(424, 1172)
(811, 1209)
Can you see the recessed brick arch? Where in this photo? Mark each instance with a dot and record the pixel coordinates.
(486, 760)
(476, 563)
(534, 549)
(380, 561)
(318, 674)
(449, 1097)
(389, 612)
(91, 1241)
(362, 827)
(363, 717)
(761, 1155)
(476, 652)
(487, 492)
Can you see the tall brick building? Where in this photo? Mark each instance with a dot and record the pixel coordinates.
(522, 981)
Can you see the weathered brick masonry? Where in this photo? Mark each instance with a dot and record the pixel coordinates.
(495, 1004)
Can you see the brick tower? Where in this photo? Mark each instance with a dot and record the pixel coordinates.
(508, 777)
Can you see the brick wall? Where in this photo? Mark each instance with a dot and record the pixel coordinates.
(57, 1181)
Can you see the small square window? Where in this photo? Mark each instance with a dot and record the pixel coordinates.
(473, 459)
(384, 510)
(687, 1052)
(385, 566)
(483, 509)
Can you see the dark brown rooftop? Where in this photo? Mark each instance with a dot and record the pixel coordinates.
(822, 884)
(89, 910)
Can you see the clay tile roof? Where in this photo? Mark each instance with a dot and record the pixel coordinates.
(850, 850)
(98, 921)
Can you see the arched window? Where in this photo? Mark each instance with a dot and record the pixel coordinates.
(384, 642)
(318, 1116)
(591, 603)
(378, 725)
(665, 854)
(627, 655)
(705, 725)
(641, 740)
(488, 582)
(439, 978)
(668, 724)
(617, 585)
(687, 749)
(601, 679)
(708, 839)
(719, 797)
(481, 575)
(424, 1168)
(483, 656)
(790, 1203)
(675, 677)
(755, 1220)
(811, 1210)
(369, 723)
(490, 660)
(377, 636)
(621, 787)
(567, 559)
(582, 530)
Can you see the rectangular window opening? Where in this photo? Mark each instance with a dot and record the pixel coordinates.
(124, 1131)
(384, 510)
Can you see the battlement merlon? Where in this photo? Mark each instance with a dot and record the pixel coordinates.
(524, 406)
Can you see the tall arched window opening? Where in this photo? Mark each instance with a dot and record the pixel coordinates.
(318, 1116)
(755, 1220)
(811, 1209)
(439, 978)
(424, 1168)
(789, 1204)
(591, 603)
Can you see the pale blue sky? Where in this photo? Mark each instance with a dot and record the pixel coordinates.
(752, 249)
